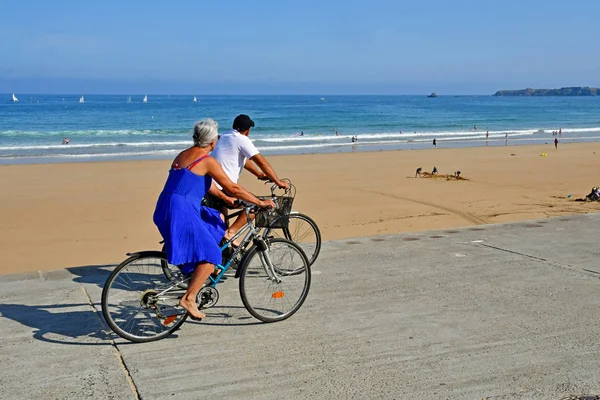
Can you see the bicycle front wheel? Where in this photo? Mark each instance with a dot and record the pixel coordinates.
(274, 283)
(303, 231)
(139, 302)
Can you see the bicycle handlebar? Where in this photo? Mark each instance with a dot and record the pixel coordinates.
(274, 187)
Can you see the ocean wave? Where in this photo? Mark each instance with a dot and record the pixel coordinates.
(403, 135)
(95, 145)
(93, 155)
(287, 148)
(94, 132)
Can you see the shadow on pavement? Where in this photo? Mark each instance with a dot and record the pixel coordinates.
(227, 316)
(64, 323)
(91, 274)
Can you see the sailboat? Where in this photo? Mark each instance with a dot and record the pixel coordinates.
(15, 100)
(81, 99)
(129, 99)
(145, 99)
(195, 99)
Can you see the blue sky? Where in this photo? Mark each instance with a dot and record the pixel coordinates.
(288, 47)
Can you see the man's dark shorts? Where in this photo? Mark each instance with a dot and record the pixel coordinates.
(213, 202)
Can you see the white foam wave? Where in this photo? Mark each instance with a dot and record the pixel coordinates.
(96, 145)
(93, 155)
(91, 132)
(403, 135)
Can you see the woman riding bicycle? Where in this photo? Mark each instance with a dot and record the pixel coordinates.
(192, 232)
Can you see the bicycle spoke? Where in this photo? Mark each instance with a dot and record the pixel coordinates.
(136, 293)
(277, 297)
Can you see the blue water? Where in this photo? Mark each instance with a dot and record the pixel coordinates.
(107, 127)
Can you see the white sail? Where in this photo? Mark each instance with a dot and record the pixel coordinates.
(145, 99)
(14, 99)
(195, 99)
(129, 99)
(81, 99)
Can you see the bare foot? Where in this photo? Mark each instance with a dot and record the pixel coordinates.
(228, 237)
(192, 308)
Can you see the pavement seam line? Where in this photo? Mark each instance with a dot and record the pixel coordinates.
(561, 265)
(117, 352)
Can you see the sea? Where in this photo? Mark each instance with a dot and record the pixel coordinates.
(108, 127)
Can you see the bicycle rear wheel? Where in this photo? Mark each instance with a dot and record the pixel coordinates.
(134, 302)
(275, 294)
(303, 231)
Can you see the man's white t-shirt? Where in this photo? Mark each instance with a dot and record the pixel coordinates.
(231, 152)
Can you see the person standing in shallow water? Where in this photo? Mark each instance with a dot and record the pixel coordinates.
(434, 143)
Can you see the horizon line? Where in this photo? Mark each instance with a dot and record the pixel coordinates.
(230, 94)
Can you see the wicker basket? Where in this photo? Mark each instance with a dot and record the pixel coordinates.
(277, 218)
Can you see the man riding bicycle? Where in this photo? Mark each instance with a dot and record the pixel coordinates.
(235, 151)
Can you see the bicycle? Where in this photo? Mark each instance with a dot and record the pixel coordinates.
(284, 223)
(280, 223)
(140, 302)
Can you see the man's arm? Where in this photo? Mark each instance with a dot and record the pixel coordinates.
(254, 170)
(266, 168)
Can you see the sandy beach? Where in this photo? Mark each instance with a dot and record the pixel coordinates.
(77, 214)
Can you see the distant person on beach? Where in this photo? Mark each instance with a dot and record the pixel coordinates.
(475, 127)
(236, 152)
(457, 173)
(434, 143)
(559, 131)
(418, 173)
(65, 140)
(435, 171)
(555, 143)
(487, 134)
(301, 133)
(192, 232)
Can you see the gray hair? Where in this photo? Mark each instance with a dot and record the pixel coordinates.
(206, 131)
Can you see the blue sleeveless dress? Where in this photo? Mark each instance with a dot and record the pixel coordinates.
(192, 232)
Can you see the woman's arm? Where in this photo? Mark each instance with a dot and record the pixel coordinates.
(219, 194)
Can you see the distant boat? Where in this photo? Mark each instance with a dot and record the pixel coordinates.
(81, 99)
(432, 95)
(195, 99)
(129, 99)
(14, 99)
(145, 99)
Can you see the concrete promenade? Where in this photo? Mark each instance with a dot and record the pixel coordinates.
(507, 311)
